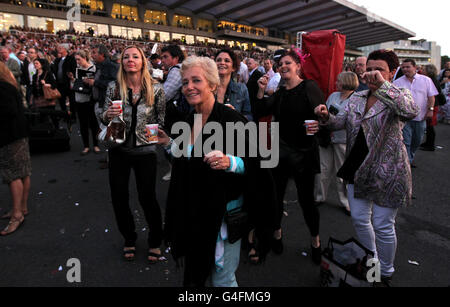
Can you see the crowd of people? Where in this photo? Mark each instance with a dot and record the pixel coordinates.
(363, 137)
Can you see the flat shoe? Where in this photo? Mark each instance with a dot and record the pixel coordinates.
(130, 253)
(158, 258)
(12, 226)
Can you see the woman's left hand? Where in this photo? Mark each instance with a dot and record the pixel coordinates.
(217, 160)
(373, 78)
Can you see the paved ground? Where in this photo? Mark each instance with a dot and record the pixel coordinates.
(71, 217)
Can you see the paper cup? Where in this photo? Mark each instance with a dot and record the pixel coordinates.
(152, 133)
(307, 123)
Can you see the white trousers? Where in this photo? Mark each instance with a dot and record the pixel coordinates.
(375, 228)
(331, 160)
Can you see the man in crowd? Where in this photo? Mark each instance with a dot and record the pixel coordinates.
(252, 84)
(243, 71)
(360, 69)
(105, 73)
(64, 65)
(172, 56)
(28, 71)
(268, 67)
(12, 64)
(423, 92)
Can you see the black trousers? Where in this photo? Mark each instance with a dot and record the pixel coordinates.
(430, 137)
(304, 181)
(86, 116)
(144, 166)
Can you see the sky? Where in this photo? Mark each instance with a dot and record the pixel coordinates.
(429, 19)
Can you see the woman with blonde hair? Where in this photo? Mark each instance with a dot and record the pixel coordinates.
(143, 103)
(332, 153)
(15, 162)
(207, 187)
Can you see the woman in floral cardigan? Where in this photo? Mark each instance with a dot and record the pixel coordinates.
(376, 168)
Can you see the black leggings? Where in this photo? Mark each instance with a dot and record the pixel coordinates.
(87, 118)
(304, 182)
(144, 166)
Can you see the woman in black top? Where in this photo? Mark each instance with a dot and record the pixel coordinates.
(299, 152)
(143, 103)
(15, 163)
(43, 77)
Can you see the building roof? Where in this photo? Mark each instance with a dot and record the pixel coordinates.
(361, 27)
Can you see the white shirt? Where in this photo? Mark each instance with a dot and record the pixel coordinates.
(31, 71)
(243, 73)
(273, 83)
(422, 87)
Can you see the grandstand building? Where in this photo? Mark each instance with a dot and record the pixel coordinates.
(242, 23)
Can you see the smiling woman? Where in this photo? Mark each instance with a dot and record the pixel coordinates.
(141, 103)
(205, 189)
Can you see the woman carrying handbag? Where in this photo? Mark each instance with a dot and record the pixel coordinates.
(85, 106)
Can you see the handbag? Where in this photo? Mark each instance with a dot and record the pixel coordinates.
(51, 94)
(41, 102)
(80, 87)
(345, 264)
(236, 221)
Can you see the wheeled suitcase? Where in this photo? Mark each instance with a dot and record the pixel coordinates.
(326, 50)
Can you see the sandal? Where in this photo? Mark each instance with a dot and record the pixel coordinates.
(12, 226)
(9, 215)
(157, 257)
(97, 150)
(129, 253)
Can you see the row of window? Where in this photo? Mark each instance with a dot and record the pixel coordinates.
(54, 25)
(127, 12)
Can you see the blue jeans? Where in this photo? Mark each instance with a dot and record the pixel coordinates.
(413, 133)
(227, 276)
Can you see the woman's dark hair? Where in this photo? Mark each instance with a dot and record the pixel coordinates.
(293, 55)
(45, 65)
(233, 57)
(385, 55)
(174, 51)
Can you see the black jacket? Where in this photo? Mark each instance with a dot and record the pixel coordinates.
(69, 65)
(37, 88)
(252, 86)
(106, 72)
(25, 79)
(198, 197)
(13, 124)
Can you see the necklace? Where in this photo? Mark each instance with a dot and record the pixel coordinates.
(136, 96)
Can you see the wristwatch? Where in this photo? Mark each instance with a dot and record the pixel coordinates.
(431, 108)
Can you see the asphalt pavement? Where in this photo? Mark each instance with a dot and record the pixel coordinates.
(71, 216)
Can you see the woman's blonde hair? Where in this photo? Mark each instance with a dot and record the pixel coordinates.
(146, 79)
(209, 67)
(349, 80)
(84, 54)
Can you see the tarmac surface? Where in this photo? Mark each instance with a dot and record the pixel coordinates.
(71, 216)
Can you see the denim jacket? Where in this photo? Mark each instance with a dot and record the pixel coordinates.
(237, 96)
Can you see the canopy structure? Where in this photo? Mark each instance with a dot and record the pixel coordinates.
(361, 27)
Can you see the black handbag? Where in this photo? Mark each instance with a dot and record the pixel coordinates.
(80, 87)
(236, 221)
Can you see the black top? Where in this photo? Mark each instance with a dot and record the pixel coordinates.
(13, 123)
(37, 88)
(291, 108)
(198, 196)
(354, 160)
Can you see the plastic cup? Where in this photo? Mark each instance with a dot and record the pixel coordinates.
(152, 133)
(118, 103)
(307, 123)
